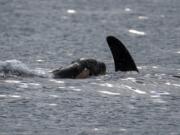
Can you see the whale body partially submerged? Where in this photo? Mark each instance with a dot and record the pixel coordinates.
(83, 68)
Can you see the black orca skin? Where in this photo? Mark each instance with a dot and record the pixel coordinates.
(122, 59)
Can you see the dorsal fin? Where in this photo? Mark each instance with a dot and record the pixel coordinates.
(122, 58)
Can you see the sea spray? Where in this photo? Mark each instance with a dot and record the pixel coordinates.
(17, 68)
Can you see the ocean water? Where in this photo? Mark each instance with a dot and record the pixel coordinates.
(40, 35)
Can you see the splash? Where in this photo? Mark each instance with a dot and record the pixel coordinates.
(17, 68)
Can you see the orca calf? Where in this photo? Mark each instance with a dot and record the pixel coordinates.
(83, 68)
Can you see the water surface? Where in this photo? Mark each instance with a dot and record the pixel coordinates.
(48, 34)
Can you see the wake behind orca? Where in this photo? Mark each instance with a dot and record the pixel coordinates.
(81, 68)
(17, 68)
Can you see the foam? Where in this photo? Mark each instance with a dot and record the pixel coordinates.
(18, 68)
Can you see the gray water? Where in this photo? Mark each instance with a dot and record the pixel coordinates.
(47, 34)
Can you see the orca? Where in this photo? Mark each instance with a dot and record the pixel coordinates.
(80, 68)
(84, 67)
